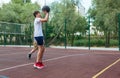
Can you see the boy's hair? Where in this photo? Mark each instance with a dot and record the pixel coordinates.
(46, 8)
(35, 13)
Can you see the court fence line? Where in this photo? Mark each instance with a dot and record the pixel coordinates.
(15, 34)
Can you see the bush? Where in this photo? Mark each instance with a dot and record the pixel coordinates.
(81, 43)
(95, 42)
(114, 42)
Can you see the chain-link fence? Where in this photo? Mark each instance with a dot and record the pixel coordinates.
(58, 35)
(15, 34)
(90, 36)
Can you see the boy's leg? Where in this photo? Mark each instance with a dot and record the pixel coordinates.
(33, 50)
(30, 54)
(41, 50)
(40, 53)
(39, 63)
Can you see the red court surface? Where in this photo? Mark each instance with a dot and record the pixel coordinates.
(60, 63)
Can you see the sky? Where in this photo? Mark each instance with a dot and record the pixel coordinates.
(85, 3)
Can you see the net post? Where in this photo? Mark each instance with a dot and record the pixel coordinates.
(4, 36)
(89, 32)
(65, 40)
(119, 29)
(30, 34)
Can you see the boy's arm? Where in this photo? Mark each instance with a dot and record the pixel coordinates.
(45, 19)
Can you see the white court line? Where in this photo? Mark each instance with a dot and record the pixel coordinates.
(52, 59)
(25, 53)
(57, 53)
(7, 49)
(11, 54)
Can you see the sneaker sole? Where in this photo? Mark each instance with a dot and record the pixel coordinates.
(36, 67)
(40, 67)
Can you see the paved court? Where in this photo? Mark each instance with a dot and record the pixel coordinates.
(60, 63)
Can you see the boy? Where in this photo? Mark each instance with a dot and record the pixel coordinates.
(38, 35)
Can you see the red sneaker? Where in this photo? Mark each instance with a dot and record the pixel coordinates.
(42, 64)
(38, 65)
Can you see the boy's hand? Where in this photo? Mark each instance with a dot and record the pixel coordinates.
(46, 17)
(45, 12)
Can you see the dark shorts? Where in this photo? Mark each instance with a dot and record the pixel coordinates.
(39, 40)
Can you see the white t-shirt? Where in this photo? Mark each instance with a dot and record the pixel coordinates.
(37, 27)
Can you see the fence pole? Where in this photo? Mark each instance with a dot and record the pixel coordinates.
(4, 35)
(65, 40)
(30, 34)
(89, 33)
(4, 40)
(119, 29)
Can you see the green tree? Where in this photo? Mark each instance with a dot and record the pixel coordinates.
(17, 12)
(21, 1)
(66, 10)
(104, 13)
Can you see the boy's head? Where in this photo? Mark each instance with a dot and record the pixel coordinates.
(36, 14)
(46, 9)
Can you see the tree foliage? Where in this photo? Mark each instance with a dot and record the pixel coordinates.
(104, 13)
(65, 12)
(62, 12)
(18, 12)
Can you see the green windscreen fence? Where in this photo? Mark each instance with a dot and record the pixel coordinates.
(57, 34)
(66, 34)
(15, 34)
